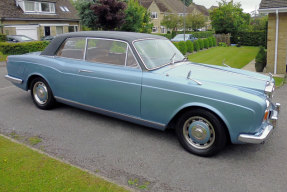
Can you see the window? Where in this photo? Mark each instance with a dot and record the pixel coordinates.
(59, 30)
(29, 6)
(45, 7)
(106, 51)
(154, 29)
(131, 61)
(163, 29)
(64, 9)
(73, 28)
(38, 7)
(73, 48)
(154, 15)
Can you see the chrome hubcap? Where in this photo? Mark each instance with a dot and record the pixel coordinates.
(199, 132)
(40, 93)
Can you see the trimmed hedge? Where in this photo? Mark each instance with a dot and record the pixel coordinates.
(196, 45)
(2, 38)
(22, 48)
(249, 38)
(261, 60)
(189, 45)
(182, 47)
(206, 43)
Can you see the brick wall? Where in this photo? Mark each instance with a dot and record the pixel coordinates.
(282, 43)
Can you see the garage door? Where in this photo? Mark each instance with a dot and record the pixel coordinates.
(29, 32)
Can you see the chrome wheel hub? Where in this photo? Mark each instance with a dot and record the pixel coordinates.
(40, 93)
(199, 132)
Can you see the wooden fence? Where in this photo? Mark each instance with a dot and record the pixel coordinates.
(223, 38)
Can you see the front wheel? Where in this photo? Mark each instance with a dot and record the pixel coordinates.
(201, 132)
(41, 94)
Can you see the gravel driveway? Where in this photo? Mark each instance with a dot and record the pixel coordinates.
(123, 151)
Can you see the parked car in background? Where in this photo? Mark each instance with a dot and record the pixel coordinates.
(145, 79)
(181, 37)
(18, 38)
(48, 38)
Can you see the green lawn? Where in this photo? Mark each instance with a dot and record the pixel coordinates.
(236, 57)
(279, 81)
(22, 169)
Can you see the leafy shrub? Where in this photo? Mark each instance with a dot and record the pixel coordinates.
(182, 47)
(257, 38)
(214, 42)
(176, 44)
(221, 44)
(206, 43)
(2, 38)
(261, 60)
(201, 43)
(196, 45)
(210, 41)
(189, 46)
(22, 48)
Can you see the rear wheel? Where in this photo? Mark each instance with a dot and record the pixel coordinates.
(201, 132)
(41, 94)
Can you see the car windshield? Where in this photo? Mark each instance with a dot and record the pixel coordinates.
(181, 36)
(156, 53)
(23, 38)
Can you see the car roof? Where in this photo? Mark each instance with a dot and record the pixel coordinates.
(117, 35)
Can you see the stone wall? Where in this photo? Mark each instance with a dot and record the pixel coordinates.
(282, 43)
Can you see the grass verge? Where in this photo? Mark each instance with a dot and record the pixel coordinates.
(23, 169)
(279, 81)
(236, 57)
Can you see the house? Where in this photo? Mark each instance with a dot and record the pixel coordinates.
(277, 35)
(39, 18)
(160, 8)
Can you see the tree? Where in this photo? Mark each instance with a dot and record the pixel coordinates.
(187, 2)
(259, 23)
(195, 21)
(137, 18)
(86, 14)
(229, 17)
(172, 21)
(110, 13)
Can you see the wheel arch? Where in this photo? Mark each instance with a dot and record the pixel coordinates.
(31, 77)
(194, 106)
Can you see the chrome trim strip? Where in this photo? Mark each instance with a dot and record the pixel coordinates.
(107, 111)
(13, 79)
(254, 139)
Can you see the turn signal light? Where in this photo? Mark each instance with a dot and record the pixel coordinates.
(266, 115)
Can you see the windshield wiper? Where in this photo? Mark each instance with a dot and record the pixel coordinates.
(183, 60)
(171, 61)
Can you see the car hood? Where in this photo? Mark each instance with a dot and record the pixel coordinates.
(217, 75)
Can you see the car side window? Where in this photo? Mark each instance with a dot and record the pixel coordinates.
(106, 51)
(73, 48)
(131, 61)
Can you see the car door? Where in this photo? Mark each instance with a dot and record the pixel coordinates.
(109, 78)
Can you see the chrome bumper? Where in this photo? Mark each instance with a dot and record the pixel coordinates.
(13, 79)
(257, 139)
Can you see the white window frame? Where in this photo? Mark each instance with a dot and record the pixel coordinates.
(156, 30)
(38, 7)
(154, 15)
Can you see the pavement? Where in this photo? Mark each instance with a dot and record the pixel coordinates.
(123, 151)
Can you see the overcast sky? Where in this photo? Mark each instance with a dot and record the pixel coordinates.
(247, 5)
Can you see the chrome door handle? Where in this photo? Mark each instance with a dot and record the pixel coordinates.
(85, 71)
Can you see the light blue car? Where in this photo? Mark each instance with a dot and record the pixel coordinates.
(144, 79)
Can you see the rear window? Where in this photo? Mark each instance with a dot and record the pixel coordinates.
(73, 48)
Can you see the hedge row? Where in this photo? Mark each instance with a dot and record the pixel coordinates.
(198, 34)
(249, 38)
(197, 45)
(22, 48)
(2, 38)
